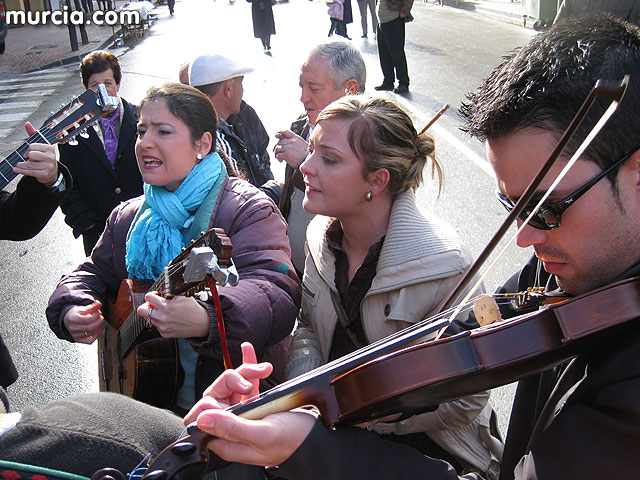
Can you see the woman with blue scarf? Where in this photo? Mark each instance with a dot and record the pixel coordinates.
(187, 190)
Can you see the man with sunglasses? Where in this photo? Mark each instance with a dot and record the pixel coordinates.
(581, 419)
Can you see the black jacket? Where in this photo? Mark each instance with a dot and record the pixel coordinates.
(23, 214)
(248, 140)
(99, 187)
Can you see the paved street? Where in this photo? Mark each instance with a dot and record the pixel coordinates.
(449, 51)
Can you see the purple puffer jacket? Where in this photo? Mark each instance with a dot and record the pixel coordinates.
(261, 309)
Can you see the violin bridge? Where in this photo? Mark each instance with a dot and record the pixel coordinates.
(486, 310)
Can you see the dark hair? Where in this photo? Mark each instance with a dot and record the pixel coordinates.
(543, 84)
(210, 89)
(382, 135)
(193, 108)
(98, 62)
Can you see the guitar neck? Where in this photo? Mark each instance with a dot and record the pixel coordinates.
(6, 166)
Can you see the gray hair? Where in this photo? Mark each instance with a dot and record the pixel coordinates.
(345, 63)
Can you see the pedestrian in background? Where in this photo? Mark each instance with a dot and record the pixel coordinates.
(103, 165)
(263, 24)
(363, 4)
(335, 9)
(347, 18)
(392, 15)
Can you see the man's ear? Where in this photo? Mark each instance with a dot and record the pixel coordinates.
(351, 87)
(227, 87)
(378, 180)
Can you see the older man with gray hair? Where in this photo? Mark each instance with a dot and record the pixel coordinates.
(331, 71)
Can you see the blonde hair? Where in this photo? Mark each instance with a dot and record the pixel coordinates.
(382, 135)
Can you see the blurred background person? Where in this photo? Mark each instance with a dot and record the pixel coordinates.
(263, 23)
(331, 70)
(103, 165)
(240, 133)
(371, 5)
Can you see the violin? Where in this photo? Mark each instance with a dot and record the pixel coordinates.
(398, 375)
(408, 380)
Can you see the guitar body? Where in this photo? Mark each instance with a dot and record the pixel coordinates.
(150, 370)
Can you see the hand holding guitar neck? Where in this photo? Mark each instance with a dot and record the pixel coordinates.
(62, 126)
(41, 161)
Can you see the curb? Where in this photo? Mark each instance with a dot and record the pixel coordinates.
(508, 17)
(77, 58)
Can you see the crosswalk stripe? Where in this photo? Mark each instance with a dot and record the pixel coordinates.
(32, 86)
(13, 117)
(4, 132)
(16, 105)
(24, 94)
(18, 79)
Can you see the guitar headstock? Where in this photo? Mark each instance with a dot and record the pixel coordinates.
(172, 282)
(78, 115)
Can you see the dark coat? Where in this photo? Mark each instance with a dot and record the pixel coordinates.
(23, 213)
(595, 434)
(348, 13)
(99, 187)
(261, 309)
(262, 16)
(249, 141)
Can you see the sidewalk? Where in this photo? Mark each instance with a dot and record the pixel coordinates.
(36, 47)
(509, 11)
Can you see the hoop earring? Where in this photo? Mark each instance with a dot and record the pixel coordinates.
(369, 196)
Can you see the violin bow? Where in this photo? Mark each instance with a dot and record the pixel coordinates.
(612, 90)
(434, 119)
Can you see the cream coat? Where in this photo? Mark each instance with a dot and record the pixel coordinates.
(420, 263)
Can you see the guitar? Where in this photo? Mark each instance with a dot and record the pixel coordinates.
(62, 126)
(133, 358)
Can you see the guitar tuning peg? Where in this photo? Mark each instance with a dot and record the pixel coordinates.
(72, 141)
(84, 134)
(96, 127)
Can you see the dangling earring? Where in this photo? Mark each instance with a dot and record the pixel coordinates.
(369, 196)
(199, 156)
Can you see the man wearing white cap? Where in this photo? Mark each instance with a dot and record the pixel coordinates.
(240, 133)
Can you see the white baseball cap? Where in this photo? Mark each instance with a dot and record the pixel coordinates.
(208, 69)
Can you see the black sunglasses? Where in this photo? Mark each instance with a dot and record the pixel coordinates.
(548, 215)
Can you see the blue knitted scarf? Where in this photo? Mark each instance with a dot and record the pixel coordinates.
(154, 238)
